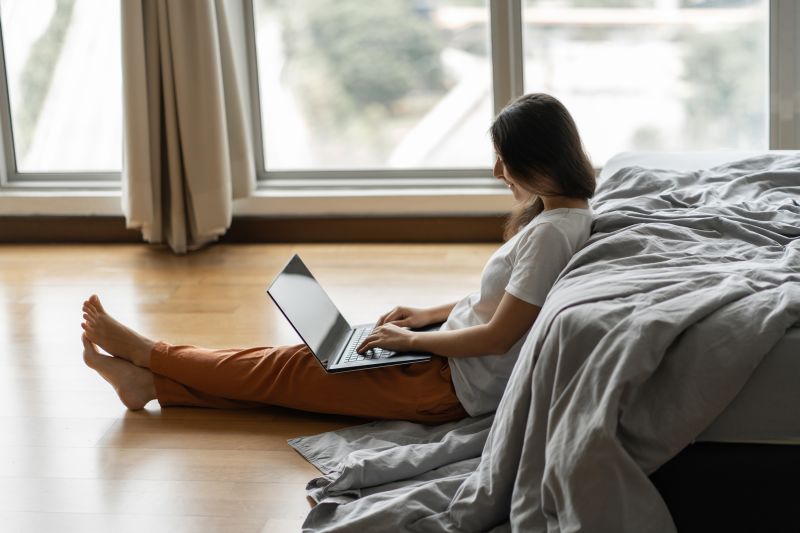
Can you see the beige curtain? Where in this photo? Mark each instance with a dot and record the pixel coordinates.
(187, 145)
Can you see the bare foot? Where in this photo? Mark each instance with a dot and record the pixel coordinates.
(133, 385)
(114, 337)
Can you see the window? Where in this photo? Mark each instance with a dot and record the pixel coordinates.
(404, 90)
(398, 84)
(653, 74)
(62, 66)
(384, 84)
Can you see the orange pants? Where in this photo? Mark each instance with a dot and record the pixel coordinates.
(290, 376)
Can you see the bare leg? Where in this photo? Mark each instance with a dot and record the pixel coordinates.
(112, 336)
(133, 385)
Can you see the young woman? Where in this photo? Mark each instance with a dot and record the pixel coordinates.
(542, 161)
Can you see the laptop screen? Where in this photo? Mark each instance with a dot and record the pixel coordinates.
(309, 309)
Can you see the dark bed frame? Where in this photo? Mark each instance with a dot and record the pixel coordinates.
(726, 487)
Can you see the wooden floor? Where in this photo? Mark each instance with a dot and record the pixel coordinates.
(73, 459)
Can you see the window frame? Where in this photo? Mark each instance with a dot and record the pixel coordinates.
(501, 19)
(784, 75)
(507, 56)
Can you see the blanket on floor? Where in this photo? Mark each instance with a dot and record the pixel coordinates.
(652, 329)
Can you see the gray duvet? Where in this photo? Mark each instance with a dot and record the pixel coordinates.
(653, 328)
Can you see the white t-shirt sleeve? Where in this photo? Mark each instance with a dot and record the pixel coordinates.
(541, 255)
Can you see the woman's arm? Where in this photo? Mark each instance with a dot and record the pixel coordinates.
(440, 313)
(511, 320)
(411, 317)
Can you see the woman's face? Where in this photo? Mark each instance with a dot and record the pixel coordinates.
(521, 194)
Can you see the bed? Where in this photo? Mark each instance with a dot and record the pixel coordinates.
(748, 459)
(657, 391)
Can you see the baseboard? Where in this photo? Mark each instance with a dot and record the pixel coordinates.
(66, 229)
(251, 229)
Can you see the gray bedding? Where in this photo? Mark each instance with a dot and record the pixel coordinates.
(688, 280)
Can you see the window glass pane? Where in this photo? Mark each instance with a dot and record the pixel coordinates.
(64, 76)
(354, 84)
(653, 74)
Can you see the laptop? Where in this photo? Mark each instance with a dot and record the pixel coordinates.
(321, 326)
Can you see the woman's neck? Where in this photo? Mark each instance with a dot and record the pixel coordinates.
(556, 202)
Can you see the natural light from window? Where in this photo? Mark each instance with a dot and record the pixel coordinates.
(406, 84)
(653, 74)
(386, 84)
(65, 84)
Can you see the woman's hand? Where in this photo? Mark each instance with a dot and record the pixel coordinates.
(406, 317)
(388, 337)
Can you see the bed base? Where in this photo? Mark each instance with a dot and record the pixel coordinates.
(711, 486)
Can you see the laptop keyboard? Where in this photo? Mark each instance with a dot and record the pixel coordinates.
(359, 335)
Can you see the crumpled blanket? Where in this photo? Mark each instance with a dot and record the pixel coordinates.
(652, 329)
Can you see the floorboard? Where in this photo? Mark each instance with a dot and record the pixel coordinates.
(74, 459)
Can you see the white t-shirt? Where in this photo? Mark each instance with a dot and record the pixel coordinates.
(526, 267)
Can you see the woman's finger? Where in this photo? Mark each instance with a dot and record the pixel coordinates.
(366, 346)
(367, 340)
(394, 314)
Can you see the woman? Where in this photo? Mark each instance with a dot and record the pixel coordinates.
(542, 161)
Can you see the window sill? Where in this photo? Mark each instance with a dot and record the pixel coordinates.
(281, 203)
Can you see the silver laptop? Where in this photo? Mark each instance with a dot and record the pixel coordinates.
(321, 326)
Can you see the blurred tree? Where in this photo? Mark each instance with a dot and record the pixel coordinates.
(361, 70)
(380, 50)
(352, 54)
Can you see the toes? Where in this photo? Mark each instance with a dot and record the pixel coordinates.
(89, 304)
(90, 311)
(90, 355)
(87, 344)
(94, 299)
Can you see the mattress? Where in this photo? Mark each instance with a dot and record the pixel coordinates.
(767, 410)
(677, 160)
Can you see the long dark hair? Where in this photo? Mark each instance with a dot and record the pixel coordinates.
(539, 144)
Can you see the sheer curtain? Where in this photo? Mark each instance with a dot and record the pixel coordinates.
(187, 145)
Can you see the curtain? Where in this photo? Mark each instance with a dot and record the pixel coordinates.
(187, 146)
